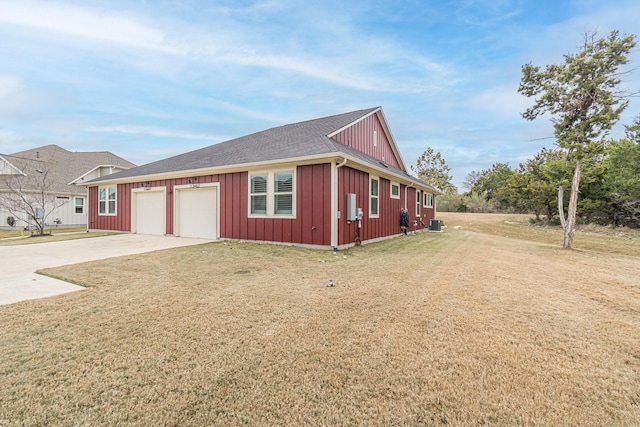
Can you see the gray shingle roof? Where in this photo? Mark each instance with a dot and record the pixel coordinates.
(308, 138)
(62, 165)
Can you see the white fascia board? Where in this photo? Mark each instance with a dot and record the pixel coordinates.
(390, 138)
(387, 131)
(75, 181)
(334, 133)
(245, 167)
(12, 166)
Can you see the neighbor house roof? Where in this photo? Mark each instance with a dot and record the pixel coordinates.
(307, 139)
(62, 166)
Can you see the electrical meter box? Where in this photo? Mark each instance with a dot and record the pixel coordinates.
(351, 207)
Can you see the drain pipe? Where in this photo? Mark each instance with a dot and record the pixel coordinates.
(405, 194)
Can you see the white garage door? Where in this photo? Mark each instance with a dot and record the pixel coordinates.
(149, 212)
(197, 212)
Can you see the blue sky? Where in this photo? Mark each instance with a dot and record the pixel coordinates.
(151, 79)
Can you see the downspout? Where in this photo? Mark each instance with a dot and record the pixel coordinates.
(405, 194)
(334, 201)
(435, 207)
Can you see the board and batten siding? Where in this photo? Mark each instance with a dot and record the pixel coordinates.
(360, 137)
(312, 224)
(388, 221)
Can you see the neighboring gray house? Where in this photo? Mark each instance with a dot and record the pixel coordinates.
(52, 174)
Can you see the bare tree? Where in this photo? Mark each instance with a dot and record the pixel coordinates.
(29, 195)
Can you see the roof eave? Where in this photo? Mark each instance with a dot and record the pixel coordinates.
(253, 166)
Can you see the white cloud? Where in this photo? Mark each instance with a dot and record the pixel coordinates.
(163, 133)
(363, 62)
(106, 27)
(502, 101)
(16, 97)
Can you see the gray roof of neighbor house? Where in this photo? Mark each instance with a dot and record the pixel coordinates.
(297, 140)
(61, 166)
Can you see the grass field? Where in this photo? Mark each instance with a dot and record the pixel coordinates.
(489, 324)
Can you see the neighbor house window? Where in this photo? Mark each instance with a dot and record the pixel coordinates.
(107, 200)
(374, 190)
(417, 202)
(428, 200)
(395, 190)
(272, 193)
(78, 205)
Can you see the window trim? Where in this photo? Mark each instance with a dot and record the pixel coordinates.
(418, 202)
(271, 194)
(106, 201)
(397, 196)
(371, 197)
(84, 204)
(427, 202)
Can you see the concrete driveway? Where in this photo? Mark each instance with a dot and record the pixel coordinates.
(18, 282)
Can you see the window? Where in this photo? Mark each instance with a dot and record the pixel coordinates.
(78, 207)
(417, 202)
(283, 193)
(259, 194)
(428, 200)
(272, 194)
(374, 184)
(395, 190)
(375, 138)
(107, 200)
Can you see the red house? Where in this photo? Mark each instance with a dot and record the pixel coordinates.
(329, 183)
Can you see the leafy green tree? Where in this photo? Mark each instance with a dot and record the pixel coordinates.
(582, 98)
(621, 180)
(433, 169)
(549, 171)
(490, 182)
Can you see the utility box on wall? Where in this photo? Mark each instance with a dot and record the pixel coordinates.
(351, 207)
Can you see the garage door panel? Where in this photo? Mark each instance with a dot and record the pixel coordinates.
(150, 212)
(197, 214)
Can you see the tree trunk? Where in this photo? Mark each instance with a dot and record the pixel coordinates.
(563, 221)
(569, 225)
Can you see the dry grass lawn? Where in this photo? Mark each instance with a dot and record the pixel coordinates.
(15, 237)
(456, 328)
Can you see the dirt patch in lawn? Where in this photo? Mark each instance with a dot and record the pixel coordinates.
(453, 328)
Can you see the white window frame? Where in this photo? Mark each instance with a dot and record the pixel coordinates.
(374, 197)
(427, 200)
(271, 194)
(106, 201)
(375, 138)
(84, 204)
(418, 204)
(394, 196)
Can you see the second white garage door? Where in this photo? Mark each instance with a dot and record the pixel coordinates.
(197, 212)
